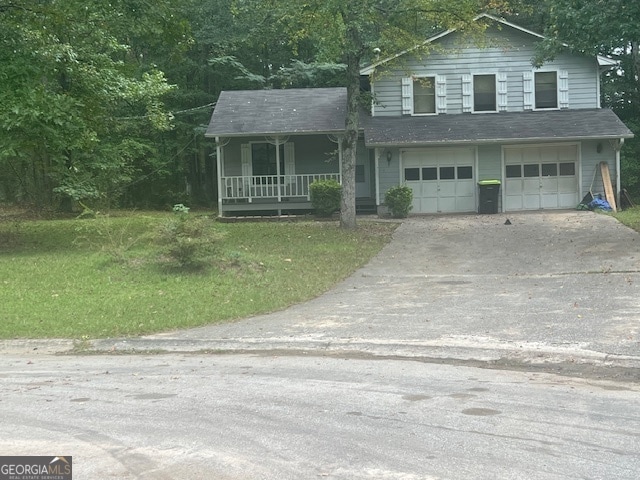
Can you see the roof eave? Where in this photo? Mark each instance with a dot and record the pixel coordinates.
(371, 68)
(495, 140)
(276, 134)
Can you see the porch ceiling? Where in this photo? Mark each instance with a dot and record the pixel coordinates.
(493, 128)
(279, 112)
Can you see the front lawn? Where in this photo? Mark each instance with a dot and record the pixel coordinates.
(106, 277)
(630, 217)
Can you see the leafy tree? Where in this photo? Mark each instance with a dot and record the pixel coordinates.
(347, 32)
(76, 97)
(610, 28)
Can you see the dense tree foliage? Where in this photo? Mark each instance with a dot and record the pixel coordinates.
(106, 102)
(599, 27)
(78, 100)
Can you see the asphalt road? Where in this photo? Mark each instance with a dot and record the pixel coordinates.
(376, 379)
(232, 417)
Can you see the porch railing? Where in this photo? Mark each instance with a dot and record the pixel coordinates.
(272, 186)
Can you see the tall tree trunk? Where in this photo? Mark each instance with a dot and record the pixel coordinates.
(350, 141)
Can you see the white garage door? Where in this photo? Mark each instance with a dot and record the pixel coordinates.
(442, 179)
(541, 177)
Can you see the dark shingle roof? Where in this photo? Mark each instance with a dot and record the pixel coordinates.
(490, 128)
(279, 112)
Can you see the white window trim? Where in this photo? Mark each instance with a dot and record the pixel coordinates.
(434, 79)
(473, 94)
(559, 91)
(288, 158)
(440, 94)
(435, 95)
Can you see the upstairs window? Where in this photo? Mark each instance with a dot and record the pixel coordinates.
(484, 93)
(424, 95)
(546, 90)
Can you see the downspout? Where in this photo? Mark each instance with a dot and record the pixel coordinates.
(219, 174)
(377, 172)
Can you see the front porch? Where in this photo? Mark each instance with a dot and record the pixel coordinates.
(277, 193)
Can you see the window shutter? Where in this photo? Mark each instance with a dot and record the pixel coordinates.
(563, 89)
(407, 95)
(441, 94)
(502, 92)
(466, 93)
(527, 83)
(289, 159)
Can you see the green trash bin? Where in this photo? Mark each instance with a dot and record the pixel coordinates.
(489, 196)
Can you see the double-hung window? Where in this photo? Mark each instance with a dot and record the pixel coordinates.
(484, 93)
(263, 162)
(546, 90)
(424, 95)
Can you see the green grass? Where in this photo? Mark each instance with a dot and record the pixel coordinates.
(630, 217)
(102, 278)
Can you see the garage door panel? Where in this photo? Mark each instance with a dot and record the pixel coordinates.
(446, 179)
(514, 203)
(465, 204)
(567, 185)
(465, 188)
(547, 177)
(549, 201)
(532, 202)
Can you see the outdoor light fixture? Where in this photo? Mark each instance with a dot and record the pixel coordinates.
(599, 147)
(389, 155)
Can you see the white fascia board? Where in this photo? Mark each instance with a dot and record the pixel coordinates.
(602, 61)
(371, 68)
(607, 62)
(275, 134)
(505, 141)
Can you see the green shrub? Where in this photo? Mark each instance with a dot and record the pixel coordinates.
(115, 237)
(325, 197)
(399, 200)
(187, 242)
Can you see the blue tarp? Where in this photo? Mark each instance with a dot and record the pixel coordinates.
(599, 203)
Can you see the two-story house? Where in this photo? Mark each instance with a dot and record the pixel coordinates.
(439, 123)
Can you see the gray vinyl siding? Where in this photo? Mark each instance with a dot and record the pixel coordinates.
(489, 162)
(511, 52)
(591, 160)
(362, 154)
(389, 173)
(313, 154)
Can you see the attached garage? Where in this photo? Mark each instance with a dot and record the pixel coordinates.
(442, 179)
(539, 177)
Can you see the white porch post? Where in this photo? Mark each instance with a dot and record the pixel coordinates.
(219, 174)
(340, 158)
(278, 173)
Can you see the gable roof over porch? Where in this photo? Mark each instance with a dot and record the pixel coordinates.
(279, 112)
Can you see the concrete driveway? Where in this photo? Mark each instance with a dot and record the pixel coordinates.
(549, 287)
